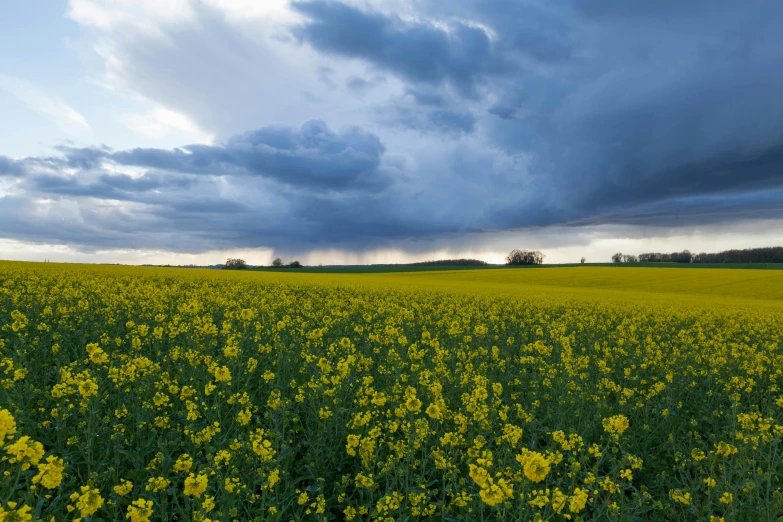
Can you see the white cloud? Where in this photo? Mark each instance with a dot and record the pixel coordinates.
(228, 65)
(148, 14)
(14, 250)
(9, 187)
(144, 15)
(254, 10)
(162, 122)
(68, 119)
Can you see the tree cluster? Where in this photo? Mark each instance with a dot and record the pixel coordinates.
(235, 264)
(675, 257)
(451, 262)
(278, 263)
(525, 257)
(619, 257)
(749, 255)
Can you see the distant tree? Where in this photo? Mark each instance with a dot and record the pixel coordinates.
(750, 255)
(617, 258)
(277, 263)
(675, 257)
(235, 264)
(294, 264)
(525, 257)
(628, 258)
(583, 260)
(450, 262)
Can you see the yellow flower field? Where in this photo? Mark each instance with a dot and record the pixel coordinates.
(533, 394)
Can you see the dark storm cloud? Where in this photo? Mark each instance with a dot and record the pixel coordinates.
(359, 85)
(663, 9)
(83, 158)
(646, 136)
(116, 186)
(419, 52)
(669, 104)
(310, 156)
(522, 114)
(11, 167)
(629, 103)
(537, 32)
(287, 186)
(426, 98)
(444, 120)
(97, 226)
(400, 114)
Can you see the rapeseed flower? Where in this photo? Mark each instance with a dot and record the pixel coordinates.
(615, 425)
(124, 487)
(139, 511)
(196, 485)
(87, 501)
(50, 473)
(24, 451)
(534, 465)
(7, 426)
(16, 514)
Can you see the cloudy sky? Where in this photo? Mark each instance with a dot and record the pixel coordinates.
(388, 130)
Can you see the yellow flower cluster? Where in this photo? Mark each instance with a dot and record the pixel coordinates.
(7, 426)
(13, 513)
(87, 501)
(25, 452)
(195, 485)
(141, 394)
(24, 456)
(534, 465)
(139, 511)
(615, 425)
(123, 488)
(50, 473)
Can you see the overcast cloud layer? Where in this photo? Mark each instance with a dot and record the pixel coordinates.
(361, 125)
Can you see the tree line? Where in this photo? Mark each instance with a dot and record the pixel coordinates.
(241, 264)
(654, 257)
(748, 255)
(450, 262)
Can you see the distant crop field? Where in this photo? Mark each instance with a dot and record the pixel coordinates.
(365, 269)
(608, 282)
(371, 269)
(585, 393)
